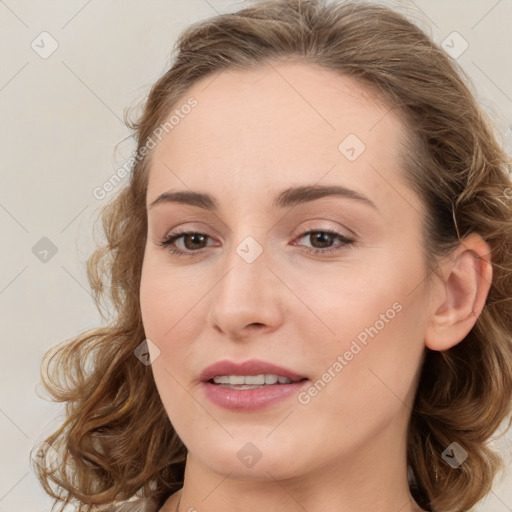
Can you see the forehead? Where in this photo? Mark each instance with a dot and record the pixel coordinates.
(282, 122)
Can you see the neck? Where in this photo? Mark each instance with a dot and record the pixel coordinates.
(375, 479)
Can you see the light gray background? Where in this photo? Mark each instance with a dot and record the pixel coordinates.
(61, 120)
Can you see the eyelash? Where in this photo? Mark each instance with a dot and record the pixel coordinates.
(172, 237)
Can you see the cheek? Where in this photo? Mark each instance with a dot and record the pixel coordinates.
(339, 302)
(174, 305)
(170, 322)
(370, 359)
(169, 304)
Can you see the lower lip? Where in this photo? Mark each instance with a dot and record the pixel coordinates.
(251, 399)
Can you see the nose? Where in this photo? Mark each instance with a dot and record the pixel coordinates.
(248, 300)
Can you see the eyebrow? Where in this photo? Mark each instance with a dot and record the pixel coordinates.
(289, 197)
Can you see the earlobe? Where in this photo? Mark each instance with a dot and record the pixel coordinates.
(461, 297)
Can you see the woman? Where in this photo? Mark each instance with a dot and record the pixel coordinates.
(311, 274)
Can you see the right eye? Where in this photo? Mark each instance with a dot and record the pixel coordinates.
(192, 242)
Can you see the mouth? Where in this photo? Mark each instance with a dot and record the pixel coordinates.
(253, 372)
(250, 385)
(252, 381)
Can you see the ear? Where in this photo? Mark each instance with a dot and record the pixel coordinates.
(461, 296)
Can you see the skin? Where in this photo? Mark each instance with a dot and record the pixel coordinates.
(253, 134)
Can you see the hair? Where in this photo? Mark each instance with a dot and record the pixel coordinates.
(117, 441)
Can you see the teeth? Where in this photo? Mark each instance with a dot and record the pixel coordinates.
(263, 379)
(252, 379)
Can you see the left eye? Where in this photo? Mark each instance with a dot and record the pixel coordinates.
(322, 240)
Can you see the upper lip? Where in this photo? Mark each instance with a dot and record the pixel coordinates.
(250, 367)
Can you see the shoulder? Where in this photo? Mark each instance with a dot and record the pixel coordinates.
(137, 505)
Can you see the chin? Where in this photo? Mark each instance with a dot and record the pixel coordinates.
(254, 458)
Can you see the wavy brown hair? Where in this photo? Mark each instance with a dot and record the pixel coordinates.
(117, 441)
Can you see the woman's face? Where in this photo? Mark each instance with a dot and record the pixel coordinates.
(307, 256)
